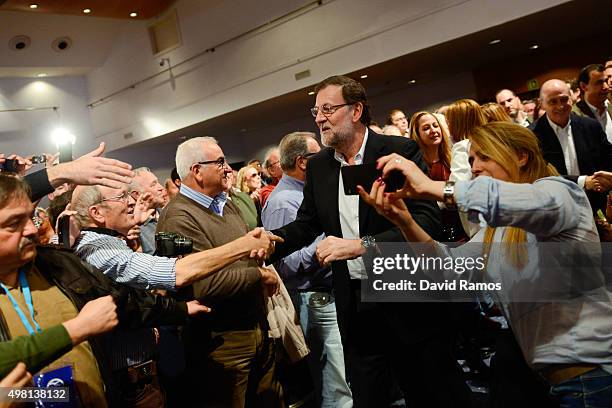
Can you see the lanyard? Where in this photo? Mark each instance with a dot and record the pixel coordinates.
(27, 295)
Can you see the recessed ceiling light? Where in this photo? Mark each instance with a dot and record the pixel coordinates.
(364, 76)
(534, 47)
(311, 93)
(412, 81)
(133, 14)
(41, 75)
(493, 42)
(33, 6)
(86, 11)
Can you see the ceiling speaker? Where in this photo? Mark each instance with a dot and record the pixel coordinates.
(61, 44)
(19, 42)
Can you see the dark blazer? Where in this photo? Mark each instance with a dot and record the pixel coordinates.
(593, 150)
(319, 213)
(581, 108)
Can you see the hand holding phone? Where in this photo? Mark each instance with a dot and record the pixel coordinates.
(364, 175)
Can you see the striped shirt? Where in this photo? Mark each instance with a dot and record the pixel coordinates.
(215, 204)
(117, 261)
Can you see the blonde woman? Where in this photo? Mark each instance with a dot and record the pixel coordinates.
(425, 129)
(523, 201)
(248, 181)
(494, 112)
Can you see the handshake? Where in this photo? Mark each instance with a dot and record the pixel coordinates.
(260, 243)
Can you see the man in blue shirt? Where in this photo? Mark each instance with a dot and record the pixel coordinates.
(307, 282)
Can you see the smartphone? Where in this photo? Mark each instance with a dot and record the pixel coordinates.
(65, 153)
(9, 166)
(365, 175)
(39, 159)
(63, 231)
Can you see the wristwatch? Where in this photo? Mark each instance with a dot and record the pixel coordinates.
(449, 195)
(368, 242)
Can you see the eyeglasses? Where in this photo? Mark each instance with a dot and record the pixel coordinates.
(254, 175)
(327, 109)
(121, 197)
(272, 164)
(220, 162)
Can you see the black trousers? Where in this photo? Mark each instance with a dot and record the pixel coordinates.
(380, 355)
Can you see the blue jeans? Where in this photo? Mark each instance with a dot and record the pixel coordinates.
(326, 359)
(590, 390)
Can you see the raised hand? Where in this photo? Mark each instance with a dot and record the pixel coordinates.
(143, 209)
(96, 317)
(392, 208)
(417, 184)
(92, 169)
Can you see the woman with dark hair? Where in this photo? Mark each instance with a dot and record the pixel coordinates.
(565, 337)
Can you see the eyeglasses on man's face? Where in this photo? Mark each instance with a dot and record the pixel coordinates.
(326, 109)
(123, 197)
(220, 162)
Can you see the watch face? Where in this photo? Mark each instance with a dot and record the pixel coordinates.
(368, 241)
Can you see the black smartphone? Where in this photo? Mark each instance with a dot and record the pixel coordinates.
(65, 153)
(63, 231)
(39, 159)
(365, 175)
(9, 166)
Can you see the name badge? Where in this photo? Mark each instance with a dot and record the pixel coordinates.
(59, 377)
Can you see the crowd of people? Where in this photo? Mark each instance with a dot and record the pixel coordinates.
(244, 287)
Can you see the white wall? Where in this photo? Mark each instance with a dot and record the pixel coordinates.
(255, 143)
(328, 40)
(29, 132)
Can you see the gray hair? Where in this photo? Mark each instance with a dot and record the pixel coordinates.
(83, 198)
(190, 152)
(269, 153)
(134, 184)
(291, 146)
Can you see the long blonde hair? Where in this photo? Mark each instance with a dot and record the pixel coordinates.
(494, 112)
(241, 179)
(505, 143)
(463, 116)
(444, 148)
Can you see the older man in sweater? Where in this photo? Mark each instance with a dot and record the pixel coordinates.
(232, 350)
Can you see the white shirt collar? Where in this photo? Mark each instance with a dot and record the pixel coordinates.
(596, 111)
(558, 128)
(358, 157)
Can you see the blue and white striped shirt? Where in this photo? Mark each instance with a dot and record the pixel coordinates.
(115, 259)
(215, 204)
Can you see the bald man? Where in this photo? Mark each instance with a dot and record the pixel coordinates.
(577, 146)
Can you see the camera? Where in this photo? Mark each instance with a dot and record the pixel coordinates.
(39, 159)
(9, 166)
(171, 245)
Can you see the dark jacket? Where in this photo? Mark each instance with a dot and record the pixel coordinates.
(593, 150)
(81, 282)
(319, 213)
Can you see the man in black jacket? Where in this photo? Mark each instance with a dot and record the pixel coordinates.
(384, 343)
(575, 145)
